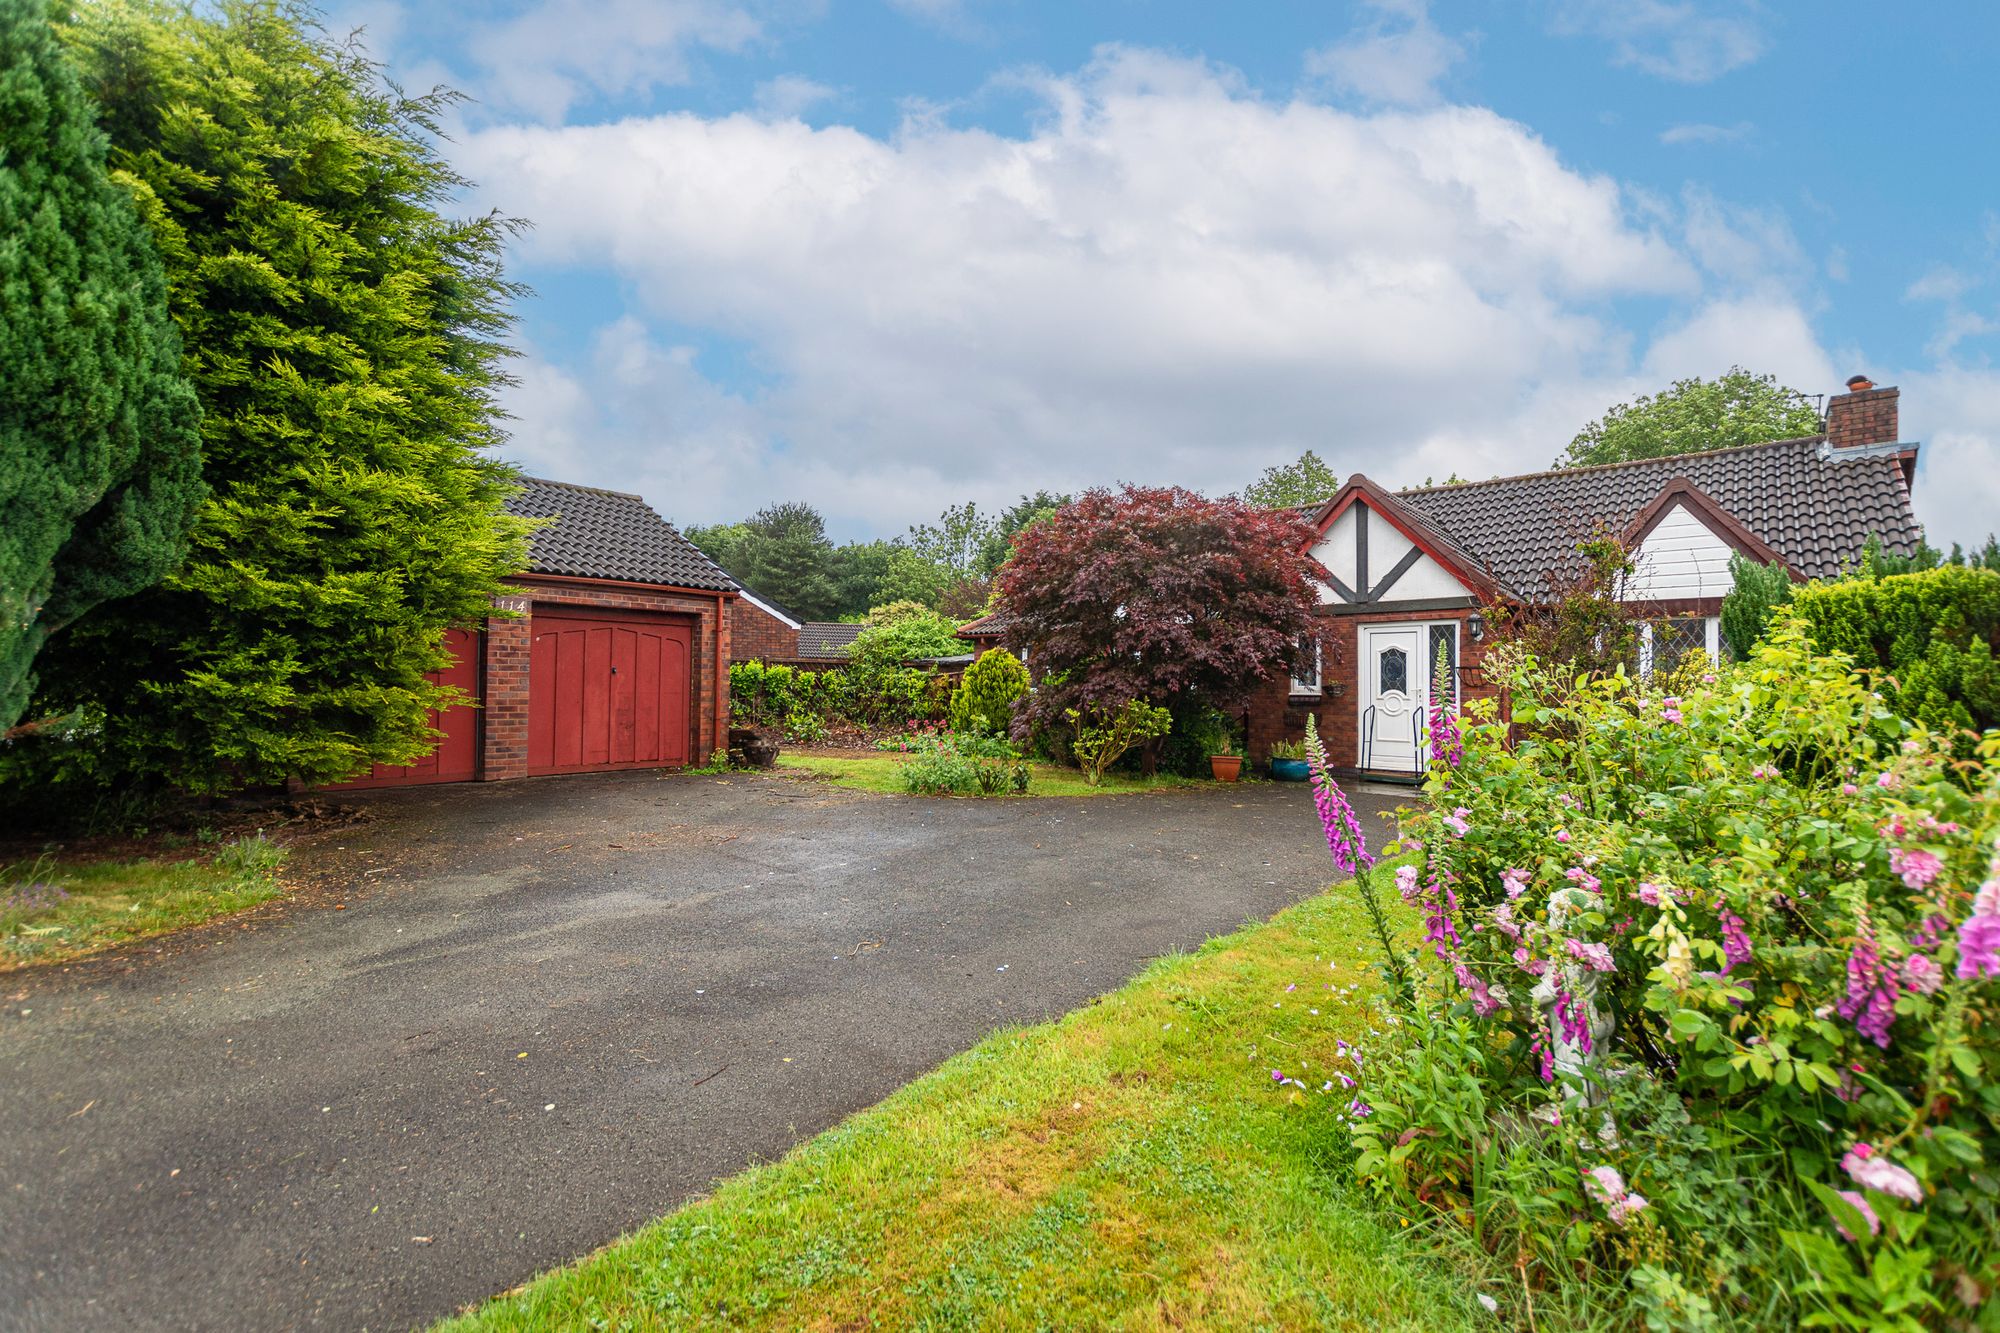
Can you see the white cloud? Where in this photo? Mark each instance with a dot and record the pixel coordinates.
(1941, 283)
(559, 52)
(1687, 41)
(1167, 279)
(790, 96)
(1700, 133)
(1395, 58)
(1955, 411)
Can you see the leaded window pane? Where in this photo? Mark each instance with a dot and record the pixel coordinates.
(1395, 665)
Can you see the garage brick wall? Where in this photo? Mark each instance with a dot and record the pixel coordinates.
(504, 748)
(1274, 715)
(755, 635)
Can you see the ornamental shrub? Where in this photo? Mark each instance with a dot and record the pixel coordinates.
(1928, 639)
(1707, 1004)
(985, 697)
(1102, 734)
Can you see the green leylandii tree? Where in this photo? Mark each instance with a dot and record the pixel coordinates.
(344, 334)
(100, 449)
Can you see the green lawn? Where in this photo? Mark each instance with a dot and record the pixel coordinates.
(1130, 1166)
(53, 911)
(878, 773)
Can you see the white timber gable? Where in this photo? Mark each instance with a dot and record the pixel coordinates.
(1374, 562)
(1681, 557)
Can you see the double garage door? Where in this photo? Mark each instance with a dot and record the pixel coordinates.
(605, 690)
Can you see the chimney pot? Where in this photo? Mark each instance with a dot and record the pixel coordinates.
(1862, 415)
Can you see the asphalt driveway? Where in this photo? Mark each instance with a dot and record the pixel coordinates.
(511, 1022)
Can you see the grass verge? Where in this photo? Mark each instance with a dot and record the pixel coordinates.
(880, 773)
(53, 911)
(1130, 1166)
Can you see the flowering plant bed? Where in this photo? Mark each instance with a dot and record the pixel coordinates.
(1708, 1001)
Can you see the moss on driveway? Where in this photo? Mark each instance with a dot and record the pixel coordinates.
(881, 773)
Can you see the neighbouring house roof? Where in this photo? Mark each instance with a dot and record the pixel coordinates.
(609, 535)
(823, 638)
(1813, 505)
(990, 626)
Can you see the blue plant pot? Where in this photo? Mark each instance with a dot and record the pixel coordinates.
(1290, 770)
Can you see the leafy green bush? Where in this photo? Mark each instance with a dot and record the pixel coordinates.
(904, 632)
(1103, 734)
(1708, 999)
(1927, 637)
(942, 770)
(803, 700)
(1198, 731)
(1748, 606)
(985, 697)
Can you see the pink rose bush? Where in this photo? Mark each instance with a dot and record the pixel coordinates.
(1742, 966)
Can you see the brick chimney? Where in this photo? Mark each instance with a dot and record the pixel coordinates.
(1862, 415)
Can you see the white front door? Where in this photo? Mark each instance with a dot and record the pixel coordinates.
(1392, 694)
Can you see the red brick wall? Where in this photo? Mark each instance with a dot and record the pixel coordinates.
(504, 752)
(755, 635)
(1868, 417)
(1275, 716)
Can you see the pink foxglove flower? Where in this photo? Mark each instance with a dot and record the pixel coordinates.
(1735, 942)
(1344, 838)
(1979, 933)
(1872, 1170)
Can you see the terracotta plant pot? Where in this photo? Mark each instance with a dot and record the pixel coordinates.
(1225, 767)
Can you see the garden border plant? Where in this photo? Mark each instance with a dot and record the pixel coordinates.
(1705, 1007)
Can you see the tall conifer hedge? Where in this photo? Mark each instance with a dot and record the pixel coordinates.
(344, 334)
(99, 446)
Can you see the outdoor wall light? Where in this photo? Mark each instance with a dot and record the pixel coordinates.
(1477, 624)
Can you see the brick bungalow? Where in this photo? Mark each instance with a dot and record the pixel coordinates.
(760, 631)
(610, 651)
(1410, 570)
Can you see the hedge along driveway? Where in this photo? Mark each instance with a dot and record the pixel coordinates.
(550, 1012)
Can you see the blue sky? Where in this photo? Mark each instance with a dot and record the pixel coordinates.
(887, 256)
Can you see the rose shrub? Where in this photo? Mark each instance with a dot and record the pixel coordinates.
(1708, 998)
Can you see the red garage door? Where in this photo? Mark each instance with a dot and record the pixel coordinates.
(608, 692)
(456, 758)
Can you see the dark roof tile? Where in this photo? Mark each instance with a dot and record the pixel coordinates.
(609, 535)
(1815, 506)
(824, 638)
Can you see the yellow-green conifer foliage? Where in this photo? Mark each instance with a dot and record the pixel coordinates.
(344, 333)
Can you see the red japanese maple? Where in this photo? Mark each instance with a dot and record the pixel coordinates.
(1160, 594)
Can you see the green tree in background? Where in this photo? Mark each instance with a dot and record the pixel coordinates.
(1308, 481)
(1694, 416)
(985, 697)
(1024, 513)
(100, 447)
(788, 558)
(344, 335)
